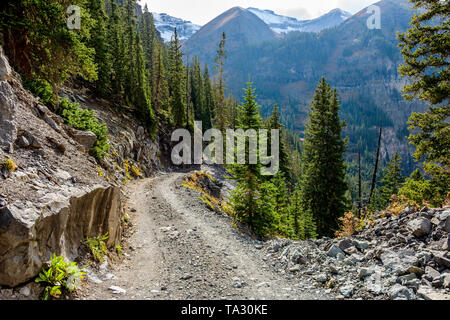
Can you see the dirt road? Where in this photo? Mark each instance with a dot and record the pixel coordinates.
(181, 250)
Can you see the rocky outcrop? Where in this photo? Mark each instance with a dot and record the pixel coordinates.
(29, 235)
(56, 197)
(8, 105)
(403, 257)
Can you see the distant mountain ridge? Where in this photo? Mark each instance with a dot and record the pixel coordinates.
(166, 24)
(284, 24)
(361, 63)
(240, 26)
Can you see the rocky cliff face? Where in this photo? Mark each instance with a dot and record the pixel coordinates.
(59, 195)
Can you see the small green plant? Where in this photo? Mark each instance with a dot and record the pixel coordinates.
(85, 120)
(119, 249)
(61, 275)
(41, 89)
(98, 246)
(9, 164)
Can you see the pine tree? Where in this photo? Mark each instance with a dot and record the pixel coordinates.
(209, 100)
(220, 113)
(303, 224)
(274, 123)
(391, 181)
(99, 42)
(177, 82)
(284, 222)
(252, 200)
(323, 184)
(160, 87)
(426, 54)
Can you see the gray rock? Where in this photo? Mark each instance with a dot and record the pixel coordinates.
(23, 142)
(25, 291)
(67, 221)
(428, 293)
(442, 260)
(86, 138)
(8, 111)
(447, 224)
(347, 291)
(364, 272)
(345, 244)
(446, 283)
(117, 290)
(446, 245)
(361, 245)
(5, 68)
(321, 278)
(444, 215)
(420, 227)
(334, 251)
(399, 292)
(431, 273)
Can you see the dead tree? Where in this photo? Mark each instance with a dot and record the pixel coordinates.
(374, 177)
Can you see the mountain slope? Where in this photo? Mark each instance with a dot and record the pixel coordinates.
(283, 24)
(361, 63)
(241, 27)
(166, 24)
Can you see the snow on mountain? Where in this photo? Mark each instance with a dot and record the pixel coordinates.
(166, 24)
(283, 24)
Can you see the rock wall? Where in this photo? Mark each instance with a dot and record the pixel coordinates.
(56, 198)
(29, 236)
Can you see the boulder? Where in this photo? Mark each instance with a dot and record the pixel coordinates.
(30, 235)
(399, 292)
(345, 244)
(334, 251)
(428, 293)
(447, 224)
(347, 291)
(5, 68)
(420, 227)
(86, 138)
(8, 111)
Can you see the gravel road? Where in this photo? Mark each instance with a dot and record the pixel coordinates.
(182, 250)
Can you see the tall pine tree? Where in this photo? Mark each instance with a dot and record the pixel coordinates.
(323, 184)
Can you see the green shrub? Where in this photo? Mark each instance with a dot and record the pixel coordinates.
(98, 246)
(41, 89)
(420, 190)
(61, 275)
(85, 120)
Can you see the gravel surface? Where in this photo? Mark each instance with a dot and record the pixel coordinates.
(181, 250)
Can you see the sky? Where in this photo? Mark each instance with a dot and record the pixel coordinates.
(202, 11)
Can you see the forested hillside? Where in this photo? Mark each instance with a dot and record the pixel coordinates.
(361, 63)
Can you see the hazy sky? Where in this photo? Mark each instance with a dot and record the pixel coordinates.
(202, 11)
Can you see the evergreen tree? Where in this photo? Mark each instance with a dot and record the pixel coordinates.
(426, 53)
(209, 100)
(252, 200)
(303, 224)
(99, 42)
(391, 181)
(323, 184)
(283, 222)
(274, 123)
(177, 82)
(221, 121)
(160, 87)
